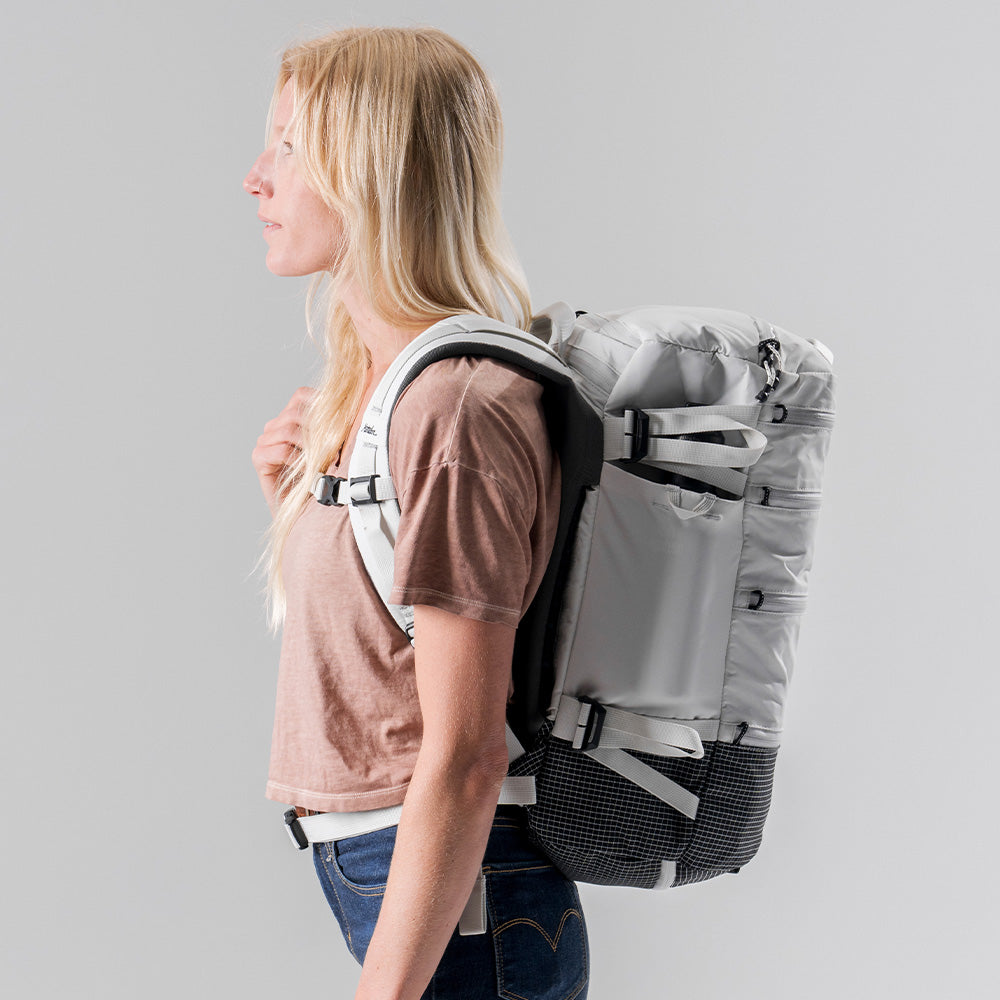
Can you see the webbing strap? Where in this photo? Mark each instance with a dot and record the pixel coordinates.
(630, 731)
(517, 791)
(473, 919)
(514, 748)
(668, 872)
(325, 827)
(376, 524)
(724, 479)
(665, 789)
(375, 536)
(663, 444)
(621, 731)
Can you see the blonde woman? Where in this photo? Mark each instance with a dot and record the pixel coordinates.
(381, 176)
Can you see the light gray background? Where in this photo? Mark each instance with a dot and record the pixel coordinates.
(829, 166)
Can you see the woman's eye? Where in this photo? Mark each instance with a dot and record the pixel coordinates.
(286, 146)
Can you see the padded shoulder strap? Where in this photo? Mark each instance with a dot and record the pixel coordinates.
(375, 521)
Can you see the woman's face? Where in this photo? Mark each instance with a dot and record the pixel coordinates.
(303, 234)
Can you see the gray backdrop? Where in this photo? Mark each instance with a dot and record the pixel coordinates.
(829, 166)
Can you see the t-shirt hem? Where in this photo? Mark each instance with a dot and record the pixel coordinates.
(378, 798)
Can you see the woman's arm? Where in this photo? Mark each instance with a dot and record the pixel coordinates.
(462, 668)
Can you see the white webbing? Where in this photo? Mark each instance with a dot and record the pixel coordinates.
(665, 789)
(473, 919)
(725, 479)
(668, 872)
(623, 731)
(514, 748)
(376, 524)
(517, 790)
(324, 827)
(664, 446)
(629, 731)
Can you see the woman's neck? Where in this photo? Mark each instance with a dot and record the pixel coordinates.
(383, 339)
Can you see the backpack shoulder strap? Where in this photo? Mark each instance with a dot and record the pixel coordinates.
(372, 498)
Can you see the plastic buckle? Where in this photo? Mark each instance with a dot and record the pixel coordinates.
(368, 495)
(636, 435)
(295, 831)
(325, 490)
(590, 724)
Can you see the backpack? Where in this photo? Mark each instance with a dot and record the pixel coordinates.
(651, 669)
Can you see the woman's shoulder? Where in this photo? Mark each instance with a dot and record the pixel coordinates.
(468, 381)
(470, 392)
(467, 409)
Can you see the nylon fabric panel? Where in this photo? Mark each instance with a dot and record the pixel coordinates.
(573, 595)
(805, 389)
(704, 329)
(654, 618)
(793, 458)
(759, 667)
(665, 375)
(779, 555)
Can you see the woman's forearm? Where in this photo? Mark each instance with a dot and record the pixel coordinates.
(440, 843)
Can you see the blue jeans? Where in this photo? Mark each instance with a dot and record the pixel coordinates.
(535, 945)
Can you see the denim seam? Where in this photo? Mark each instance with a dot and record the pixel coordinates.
(340, 906)
(498, 952)
(358, 890)
(553, 942)
(365, 891)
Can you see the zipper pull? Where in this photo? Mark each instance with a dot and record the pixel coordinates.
(770, 351)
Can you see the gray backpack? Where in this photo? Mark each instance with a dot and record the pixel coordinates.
(651, 670)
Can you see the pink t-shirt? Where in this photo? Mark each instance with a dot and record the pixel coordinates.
(478, 488)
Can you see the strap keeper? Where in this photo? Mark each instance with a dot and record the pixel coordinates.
(365, 495)
(636, 435)
(325, 490)
(589, 725)
(295, 831)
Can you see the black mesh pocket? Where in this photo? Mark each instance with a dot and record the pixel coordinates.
(731, 812)
(598, 827)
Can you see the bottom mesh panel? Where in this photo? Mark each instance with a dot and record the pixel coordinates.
(598, 827)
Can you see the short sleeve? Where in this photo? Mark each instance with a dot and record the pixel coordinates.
(478, 490)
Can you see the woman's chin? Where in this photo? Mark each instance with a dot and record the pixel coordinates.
(289, 269)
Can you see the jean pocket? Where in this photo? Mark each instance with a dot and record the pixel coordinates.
(539, 934)
(362, 863)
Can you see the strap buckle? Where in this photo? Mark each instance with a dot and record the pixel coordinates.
(295, 831)
(366, 494)
(361, 490)
(589, 725)
(325, 490)
(636, 435)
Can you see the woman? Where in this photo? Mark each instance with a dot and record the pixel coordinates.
(382, 176)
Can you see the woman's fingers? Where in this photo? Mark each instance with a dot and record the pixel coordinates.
(280, 439)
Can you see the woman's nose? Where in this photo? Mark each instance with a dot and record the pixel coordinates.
(255, 180)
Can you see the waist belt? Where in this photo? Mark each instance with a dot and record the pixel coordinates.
(324, 827)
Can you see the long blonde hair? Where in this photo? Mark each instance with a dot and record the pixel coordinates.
(399, 131)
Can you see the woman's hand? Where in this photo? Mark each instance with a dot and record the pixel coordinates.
(278, 444)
